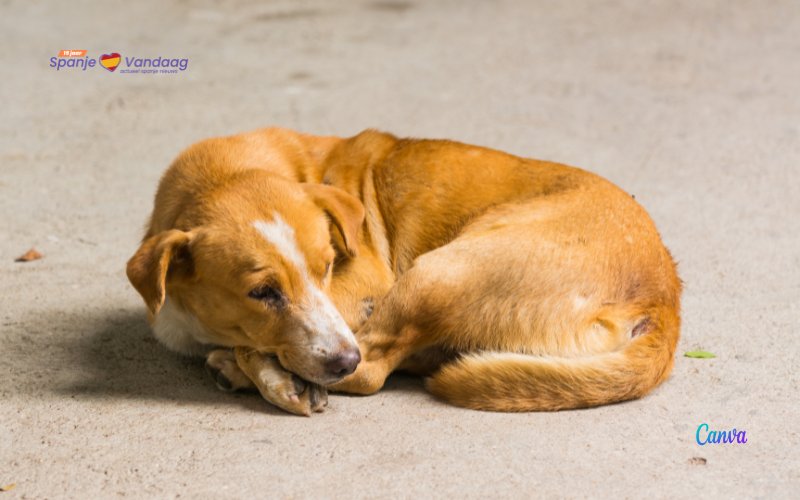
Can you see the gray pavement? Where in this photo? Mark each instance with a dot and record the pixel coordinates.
(690, 105)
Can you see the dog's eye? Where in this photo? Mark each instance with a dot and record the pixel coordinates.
(271, 295)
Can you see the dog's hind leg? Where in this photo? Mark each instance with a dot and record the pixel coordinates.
(495, 288)
(396, 331)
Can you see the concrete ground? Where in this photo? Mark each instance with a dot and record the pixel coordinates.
(691, 106)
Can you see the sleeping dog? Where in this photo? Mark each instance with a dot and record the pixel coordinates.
(513, 284)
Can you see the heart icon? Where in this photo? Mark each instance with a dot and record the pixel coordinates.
(110, 61)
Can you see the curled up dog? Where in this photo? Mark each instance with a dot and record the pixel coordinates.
(298, 264)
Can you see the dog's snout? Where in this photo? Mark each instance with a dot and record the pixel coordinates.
(343, 363)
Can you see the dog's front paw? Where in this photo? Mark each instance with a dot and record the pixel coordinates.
(307, 397)
(280, 387)
(221, 365)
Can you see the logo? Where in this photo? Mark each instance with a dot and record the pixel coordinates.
(79, 59)
(110, 61)
(72, 59)
(704, 436)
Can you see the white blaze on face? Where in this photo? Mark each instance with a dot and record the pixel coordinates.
(321, 317)
(281, 235)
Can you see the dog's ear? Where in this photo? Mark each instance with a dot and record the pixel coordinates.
(147, 269)
(346, 213)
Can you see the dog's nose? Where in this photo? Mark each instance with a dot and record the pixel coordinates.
(343, 363)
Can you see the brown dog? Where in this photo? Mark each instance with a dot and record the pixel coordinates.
(516, 284)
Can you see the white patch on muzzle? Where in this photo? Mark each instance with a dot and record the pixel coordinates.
(322, 318)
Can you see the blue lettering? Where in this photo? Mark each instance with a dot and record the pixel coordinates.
(705, 436)
(697, 434)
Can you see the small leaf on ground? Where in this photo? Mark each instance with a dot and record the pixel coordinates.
(699, 354)
(28, 256)
(8, 487)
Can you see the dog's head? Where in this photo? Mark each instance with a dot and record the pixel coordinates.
(255, 268)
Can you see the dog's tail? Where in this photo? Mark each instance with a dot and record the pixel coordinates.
(498, 381)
